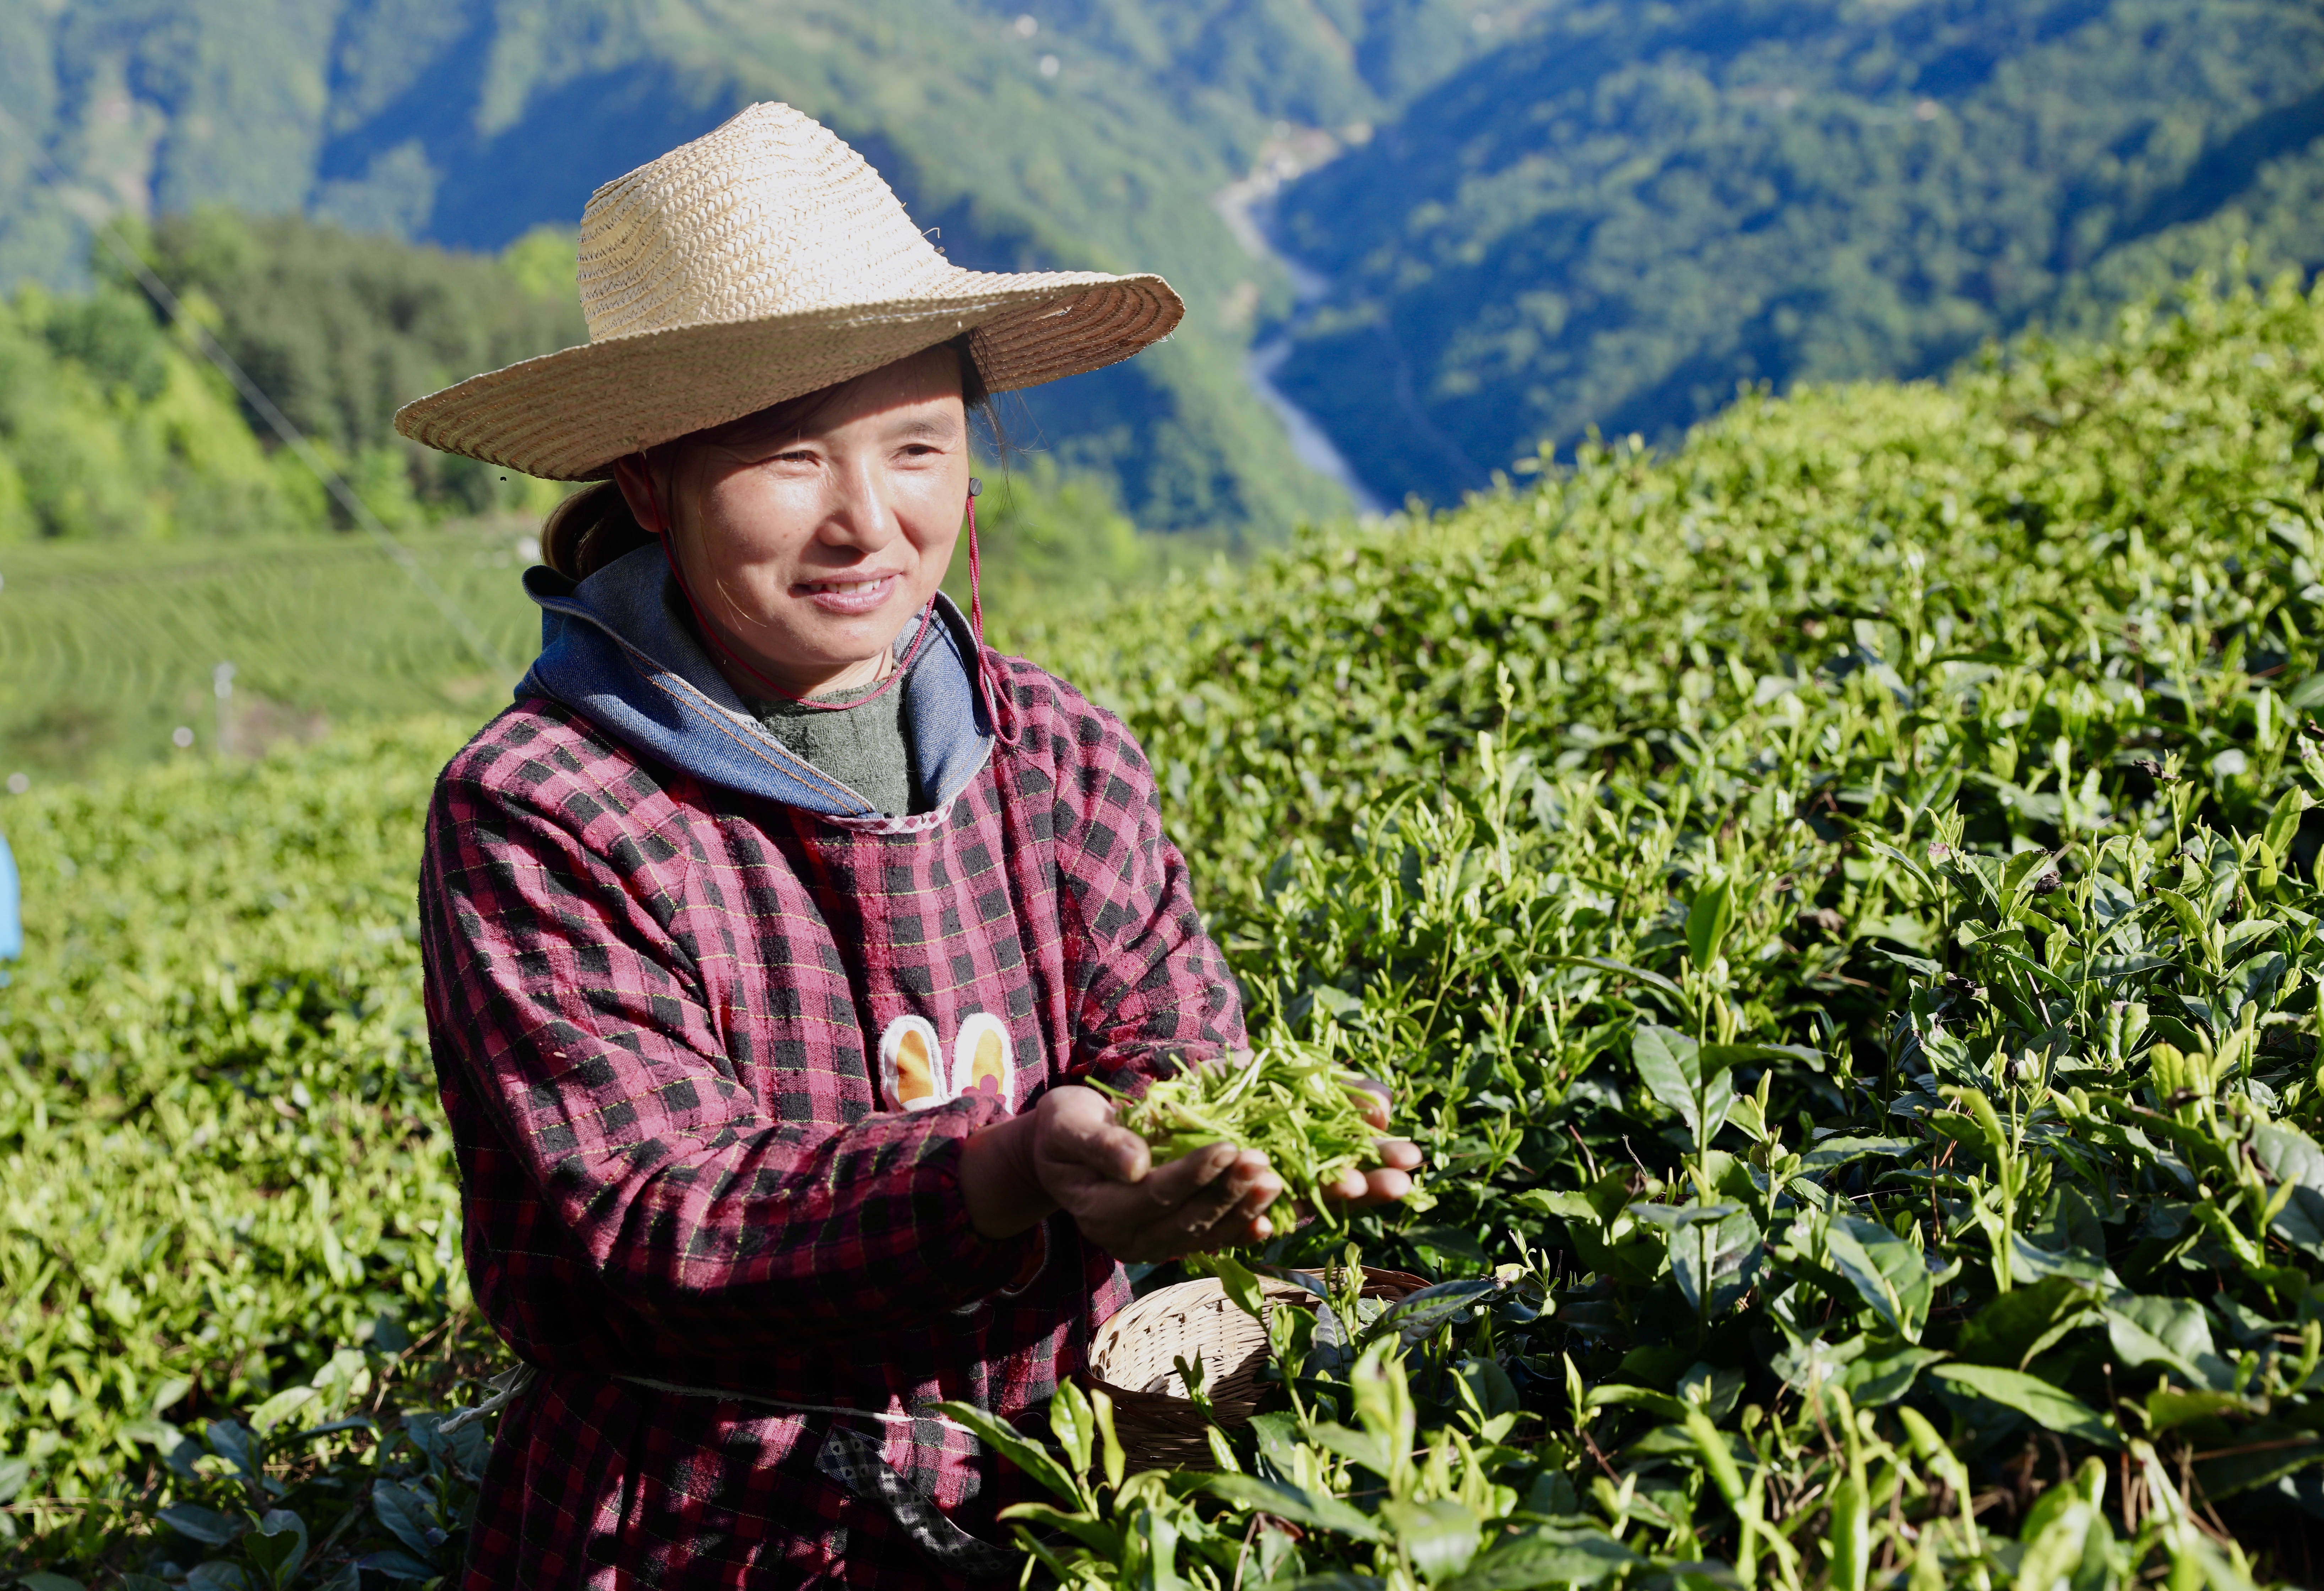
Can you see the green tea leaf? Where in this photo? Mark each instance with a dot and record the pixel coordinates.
(1710, 920)
(1887, 1272)
(1653, 980)
(2284, 822)
(1300, 1507)
(2013, 1326)
(1871, 1383)
(1418, 1315)
(404, 1514)
(2169, 1407)
(1005, 1441)
(1439, 1537)
(1716, 1260)
(1675, 1071)
(2172, 1332)
(2033, 1397)
(206, 1525)
(277, 1547)
(395, 1565)
(1243, 1288)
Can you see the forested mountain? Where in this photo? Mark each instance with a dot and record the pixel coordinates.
(113, 425)
(1619, 217)
(339, 328)
(1549, 216)
(1074, 134)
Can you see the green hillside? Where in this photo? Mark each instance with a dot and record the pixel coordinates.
(1839, 903)
(108, 647)
(115, 427)
(1620, 219)
(107, 651)
(1548, 216)
(470, 123)
(336, 328)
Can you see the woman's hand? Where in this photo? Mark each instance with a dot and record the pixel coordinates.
(1066, 1153)
(1391, 1180)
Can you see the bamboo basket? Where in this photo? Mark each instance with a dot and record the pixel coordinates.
(1133, 1362)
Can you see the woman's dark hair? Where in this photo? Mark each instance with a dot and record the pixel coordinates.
(594, 527)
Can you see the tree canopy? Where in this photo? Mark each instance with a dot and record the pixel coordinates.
(1620, 218)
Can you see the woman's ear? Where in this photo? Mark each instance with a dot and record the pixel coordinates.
(634, 475)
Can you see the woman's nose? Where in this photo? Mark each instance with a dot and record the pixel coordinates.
(858, 513)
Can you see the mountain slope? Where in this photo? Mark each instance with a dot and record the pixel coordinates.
(1083, 134)
(1616, 220)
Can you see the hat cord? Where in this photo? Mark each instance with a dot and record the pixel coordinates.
(976, 621)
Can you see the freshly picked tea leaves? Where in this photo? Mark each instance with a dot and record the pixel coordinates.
(1290, 1101)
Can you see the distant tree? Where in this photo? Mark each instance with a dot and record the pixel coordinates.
(110, 427)
(341, 330)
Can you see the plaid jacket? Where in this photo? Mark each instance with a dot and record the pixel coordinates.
(658, 1004)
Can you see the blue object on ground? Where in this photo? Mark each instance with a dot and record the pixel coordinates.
(12, 921)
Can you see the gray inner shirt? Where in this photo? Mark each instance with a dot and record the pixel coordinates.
(867, 747)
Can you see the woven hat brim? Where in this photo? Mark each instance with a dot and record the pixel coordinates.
(568, 415)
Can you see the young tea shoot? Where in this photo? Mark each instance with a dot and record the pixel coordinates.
(1291, 1101)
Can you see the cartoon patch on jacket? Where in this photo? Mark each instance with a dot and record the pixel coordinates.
(916, 1074)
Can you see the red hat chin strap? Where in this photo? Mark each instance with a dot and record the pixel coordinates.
(985, 687)
(976, 592)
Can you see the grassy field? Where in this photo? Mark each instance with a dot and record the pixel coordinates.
(106, 648)
(109, 649)
(1838, 903)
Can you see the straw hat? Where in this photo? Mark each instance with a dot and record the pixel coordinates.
(761, 261)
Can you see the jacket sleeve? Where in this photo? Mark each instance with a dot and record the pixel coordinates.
(1151, 989)
(573, 1037)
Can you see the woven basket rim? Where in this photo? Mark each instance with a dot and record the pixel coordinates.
(1377, 1282)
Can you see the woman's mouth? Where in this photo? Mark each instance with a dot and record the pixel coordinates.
(848, 596)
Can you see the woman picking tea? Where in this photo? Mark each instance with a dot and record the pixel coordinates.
(786, 946)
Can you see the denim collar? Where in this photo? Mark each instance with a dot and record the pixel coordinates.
(615, 648)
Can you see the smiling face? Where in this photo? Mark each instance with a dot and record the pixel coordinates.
(809, 534)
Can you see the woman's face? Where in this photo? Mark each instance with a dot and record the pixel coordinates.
(809, 544)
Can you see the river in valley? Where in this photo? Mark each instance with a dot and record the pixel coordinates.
(1245, 207)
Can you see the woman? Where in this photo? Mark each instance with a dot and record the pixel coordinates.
(777, 934)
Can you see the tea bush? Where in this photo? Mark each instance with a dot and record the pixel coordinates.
(1837, 903)
(221, 1159)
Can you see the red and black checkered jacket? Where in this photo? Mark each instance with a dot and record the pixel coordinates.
(656, 1007)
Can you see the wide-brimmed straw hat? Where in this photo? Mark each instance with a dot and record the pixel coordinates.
(761, 261)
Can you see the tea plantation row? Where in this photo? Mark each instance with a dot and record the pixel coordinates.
(1837, 902)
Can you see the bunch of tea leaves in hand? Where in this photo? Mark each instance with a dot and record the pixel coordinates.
(1290, 1101)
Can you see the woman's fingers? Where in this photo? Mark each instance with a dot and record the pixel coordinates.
(1205, 1199)
(1237, 1225)
(1399, 1153)
(1077, 1139)
(1217, 1197)
(1247, 1186)
(1200, 1180)
(1223, 1213)
(1390, 1182)
(1386, 1186)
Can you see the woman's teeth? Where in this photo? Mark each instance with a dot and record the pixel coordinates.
(849, 589)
